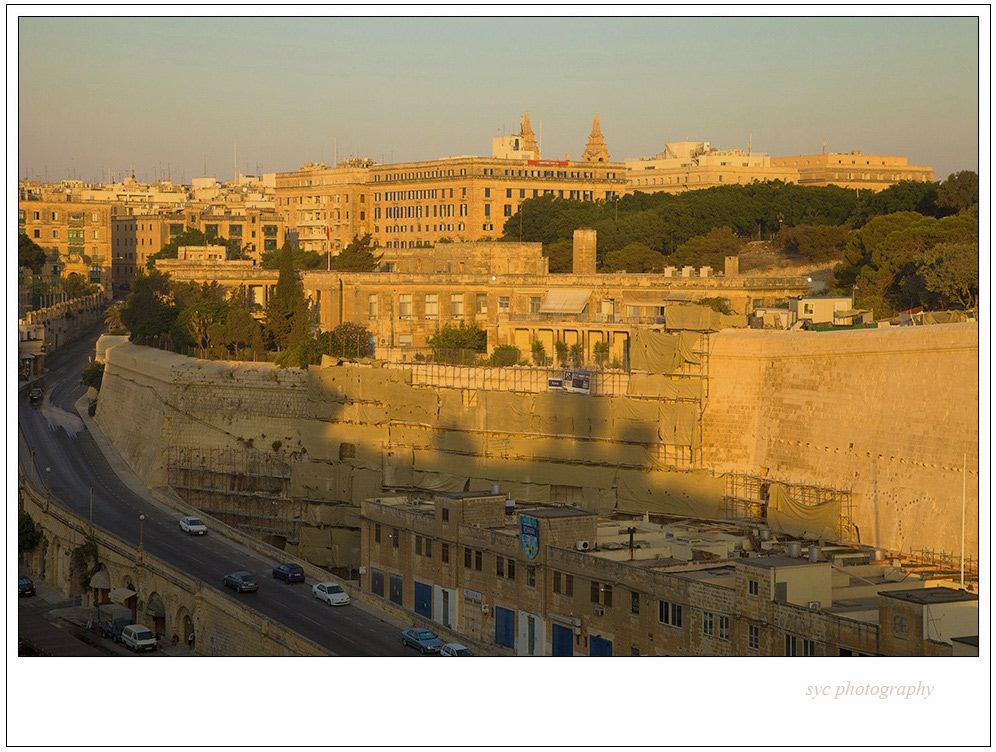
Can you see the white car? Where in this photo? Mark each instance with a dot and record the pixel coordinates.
(193, 526)
(137, 637)
(331, 593)
(454, 650)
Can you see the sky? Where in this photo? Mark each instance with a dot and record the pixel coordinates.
(172, 95)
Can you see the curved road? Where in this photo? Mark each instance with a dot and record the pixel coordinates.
(55, 434)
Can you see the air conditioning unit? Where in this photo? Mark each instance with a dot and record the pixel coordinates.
(599, 611)
(582, 545)
(363, 570)
(814, 605)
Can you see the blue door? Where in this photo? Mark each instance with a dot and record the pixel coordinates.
(423, 599)
(562, 639)
(599, 646)
(504, 627)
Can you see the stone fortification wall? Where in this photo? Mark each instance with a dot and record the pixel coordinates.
(65, 321)
(151, 400)
(889, 414)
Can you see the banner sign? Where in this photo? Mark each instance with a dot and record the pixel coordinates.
(530, 536)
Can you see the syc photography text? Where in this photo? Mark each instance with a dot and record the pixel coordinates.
(879, 691)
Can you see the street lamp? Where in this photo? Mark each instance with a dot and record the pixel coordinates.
(141, 531)
(91, 508)
(48, 484)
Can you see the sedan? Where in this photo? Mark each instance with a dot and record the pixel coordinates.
(288, 573)
(25, 586)
(331, 593)
(242, 582)
(455, 650)
(421, 639)
(193, 526)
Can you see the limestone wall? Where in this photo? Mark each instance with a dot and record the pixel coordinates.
(887, 413)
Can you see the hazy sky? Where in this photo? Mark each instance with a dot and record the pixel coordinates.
(102, 94)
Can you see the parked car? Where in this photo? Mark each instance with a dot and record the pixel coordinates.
(331, 593)
(112, 618)
(454, 650)
(288, 573)
(242, 582)
(422, 640)
(193, 526)
(25, 586)
(137, 637)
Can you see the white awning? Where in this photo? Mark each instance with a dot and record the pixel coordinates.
(101, 580)
(120, 595)
(565, 300)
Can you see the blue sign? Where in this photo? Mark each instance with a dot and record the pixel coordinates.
(530, 536)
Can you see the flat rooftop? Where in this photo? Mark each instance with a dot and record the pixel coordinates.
(546, 512)
(930, 596)
(770, 562)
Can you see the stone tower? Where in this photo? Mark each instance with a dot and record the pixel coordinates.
(596, 151)
(584, 251)
(528, 138)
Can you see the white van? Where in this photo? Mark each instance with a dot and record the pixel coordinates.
(137, 637)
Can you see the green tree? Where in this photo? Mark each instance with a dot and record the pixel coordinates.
(287, 309)
(303, 260)
(28, 534)
(539, 353)
(29, 253)
(149, 310)
(561, 255)
(717, 304)
(358, 256)
(192, 236)
(505, 355)
(576, 355)
(93, 375)
(814, 242)
(561, 348)
(601, 352)
(112, 317)
(958, 193)
(635, 257)
(949, 273)
(461, 337)
(904, 196)
(347, 340)
(710, 249)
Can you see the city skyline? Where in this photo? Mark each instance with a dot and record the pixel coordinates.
(74, 121)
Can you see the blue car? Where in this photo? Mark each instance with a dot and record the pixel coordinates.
(242, 582)
(288, 573)
(25, 586)
(422, 640)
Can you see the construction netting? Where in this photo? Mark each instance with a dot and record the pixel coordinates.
(700, 318)
(329, 547)
(815, 522)
(373, 429)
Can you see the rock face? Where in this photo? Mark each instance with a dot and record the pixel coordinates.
(890, 414)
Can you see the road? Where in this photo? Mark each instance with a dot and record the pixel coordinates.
(60, 442)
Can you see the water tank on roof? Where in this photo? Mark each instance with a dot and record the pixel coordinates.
(814, 553)
(793, 548)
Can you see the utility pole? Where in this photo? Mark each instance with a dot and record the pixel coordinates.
(91, 510)
(964, 473)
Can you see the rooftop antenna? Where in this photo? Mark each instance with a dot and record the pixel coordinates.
(750, 143)
(824, 151)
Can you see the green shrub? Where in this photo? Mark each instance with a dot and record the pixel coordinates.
(504, 355)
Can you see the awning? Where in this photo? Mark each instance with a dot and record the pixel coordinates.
(156, 609)
(659, 298)
(120, 595)
(101, 580)
(565, 301)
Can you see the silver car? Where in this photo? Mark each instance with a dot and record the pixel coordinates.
(331, 593)
(193, 526)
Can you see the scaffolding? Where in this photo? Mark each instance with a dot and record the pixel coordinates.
(746, 500)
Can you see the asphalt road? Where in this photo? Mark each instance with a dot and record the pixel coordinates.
(60, 442)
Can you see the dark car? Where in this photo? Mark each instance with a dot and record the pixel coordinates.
(422, 640)
(242, 582)
(35, 395)
(25, 586)
(288, 573)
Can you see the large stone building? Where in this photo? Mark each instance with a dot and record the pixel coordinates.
(690, 165)
(558, 580)
(855, 169)
(415, 204)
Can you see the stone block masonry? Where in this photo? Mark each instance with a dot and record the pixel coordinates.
(890, 414)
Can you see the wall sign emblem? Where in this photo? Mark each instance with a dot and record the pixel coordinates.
(530, 536)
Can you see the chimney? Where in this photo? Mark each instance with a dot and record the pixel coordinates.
(584, 251)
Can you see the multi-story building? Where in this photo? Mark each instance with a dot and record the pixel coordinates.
(690, 165)
(75, 235)
(855, 169)
(415, 204)
(557, 580)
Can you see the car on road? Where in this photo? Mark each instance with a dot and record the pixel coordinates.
(35, 395)
(137, 637)
(331, 593)
(242, 582)
(193, 526)
(422, 640)
(455, 650)
(289, 572)
(25, 586)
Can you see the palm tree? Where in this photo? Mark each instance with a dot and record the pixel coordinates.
(113, 316)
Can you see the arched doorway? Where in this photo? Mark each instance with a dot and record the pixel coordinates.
(100, 584)
(184, 629)
(155, 609)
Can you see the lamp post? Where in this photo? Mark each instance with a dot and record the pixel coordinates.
(48, 484)
(141, 532)
(91, 509)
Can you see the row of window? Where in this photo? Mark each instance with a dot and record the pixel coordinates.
(71, 235)
(418, 211)
(55, 216)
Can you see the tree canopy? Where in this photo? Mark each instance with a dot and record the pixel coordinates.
(287, 309)
(358, 256)
(193, 236)
(29, 253)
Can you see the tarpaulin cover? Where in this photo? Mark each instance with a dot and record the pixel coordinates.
(530, 447)
(366, 484)
(565, 300)
(686, 348)
(325, 515)
(313, 537)
(678, 422)
(439, 482)
(665, 387)
(362, 412)
(411, 404)
(693, 493)
(532, 492)
(562, 413)
(398, 467)
(653, 352)
(786, 515)
(321, 480)
(695, 317)
(453, 413)
(599, 500)
(505, 411)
